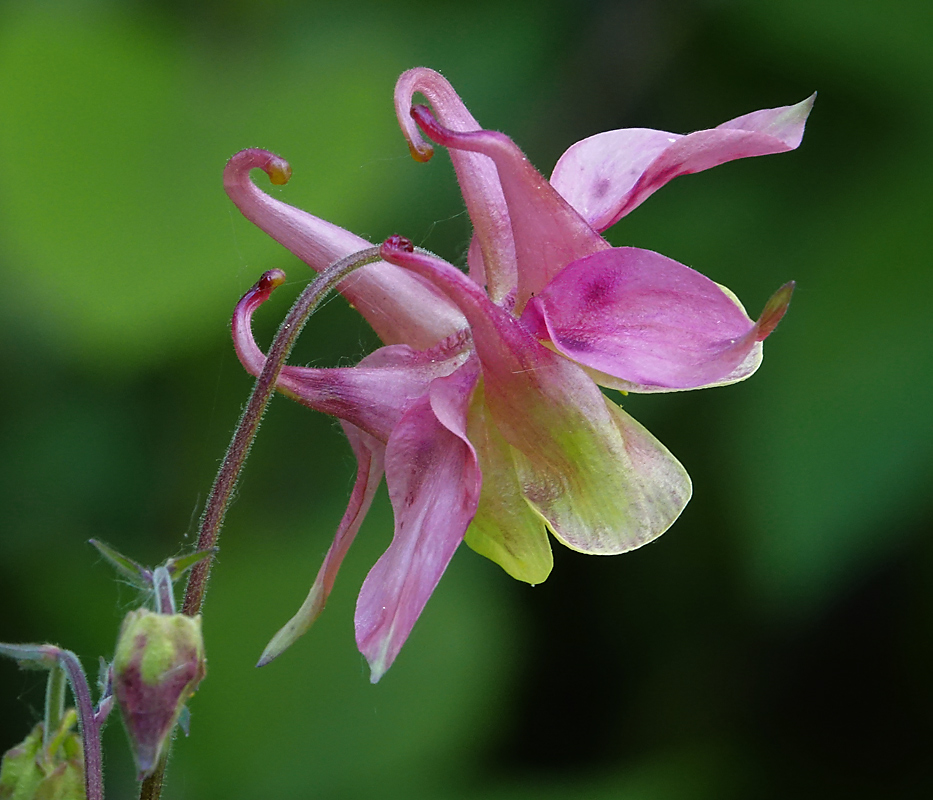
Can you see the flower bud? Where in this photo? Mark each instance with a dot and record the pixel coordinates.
(157, 666)
(29, 772)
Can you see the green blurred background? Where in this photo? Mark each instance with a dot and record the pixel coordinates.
(775, 643)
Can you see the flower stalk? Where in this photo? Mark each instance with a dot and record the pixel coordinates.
(90, 723)
(229, 472)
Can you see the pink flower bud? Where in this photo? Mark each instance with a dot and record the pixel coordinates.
(157, 667)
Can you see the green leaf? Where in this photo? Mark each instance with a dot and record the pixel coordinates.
(135, 573)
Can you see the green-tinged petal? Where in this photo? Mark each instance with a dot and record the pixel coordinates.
(604, 484)
(506, 529)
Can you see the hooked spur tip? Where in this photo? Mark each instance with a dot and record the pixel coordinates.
(238, 167)
(396, 243)
(278, 170)
(270, 280)
(421, 153)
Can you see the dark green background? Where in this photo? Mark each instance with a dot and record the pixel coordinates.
(775, 643)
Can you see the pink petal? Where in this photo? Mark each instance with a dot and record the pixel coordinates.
(548, 232)
(370, 456)
(399, 306)
(607, 175)
(493, 262)
(648, 320)
(434, 485)
(372, 395)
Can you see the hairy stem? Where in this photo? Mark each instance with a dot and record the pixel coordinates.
(246, 429)
(90, 725)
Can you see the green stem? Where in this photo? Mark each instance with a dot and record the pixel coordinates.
(225, 482)
(54, 705)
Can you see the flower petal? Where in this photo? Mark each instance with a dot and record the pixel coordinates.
(372, 395)
(607, 175)
(608, 486)
(493, 263)
(645, 318)
(370, 455)
(434, 485)
(603, 484)
(399, 306)
(548, 232)
(506, 529)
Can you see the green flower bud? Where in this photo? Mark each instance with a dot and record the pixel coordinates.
(29, 772)
(156, 669)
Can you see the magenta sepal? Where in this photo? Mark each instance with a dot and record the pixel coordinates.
(648, 320)
(610, 174)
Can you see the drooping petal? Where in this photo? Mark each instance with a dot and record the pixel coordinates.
(434, 486)
(493, 262)
(547, 231)
(370, 455)
(603, 484)
(606, 176)
(399, 306)
(506, 528)
(372, 395)
(648, 320)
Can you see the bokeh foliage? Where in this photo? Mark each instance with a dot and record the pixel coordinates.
(775, 642)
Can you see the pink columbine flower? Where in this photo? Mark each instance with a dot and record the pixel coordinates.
(484, 409)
